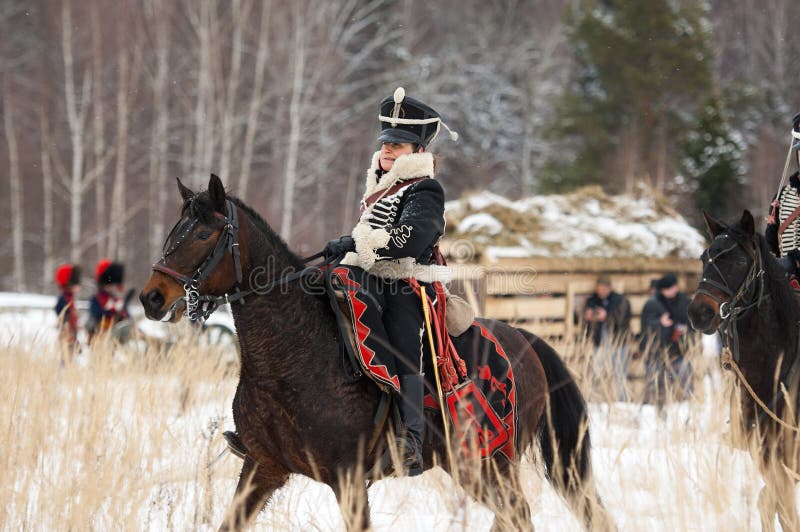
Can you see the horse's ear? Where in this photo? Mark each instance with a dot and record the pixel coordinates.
(217, 193)
(714, 226)
(747, 223)
(186, 193)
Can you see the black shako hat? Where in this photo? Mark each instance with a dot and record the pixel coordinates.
(409, 120)
(668, 281)
(796, 132)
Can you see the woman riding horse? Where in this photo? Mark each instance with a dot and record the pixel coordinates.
(401, 222)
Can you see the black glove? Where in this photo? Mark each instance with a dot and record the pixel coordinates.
(338, 247)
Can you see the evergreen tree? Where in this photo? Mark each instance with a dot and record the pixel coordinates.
(714, 161)
(641, 70)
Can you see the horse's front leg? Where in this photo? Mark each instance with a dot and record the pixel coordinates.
(257, 483)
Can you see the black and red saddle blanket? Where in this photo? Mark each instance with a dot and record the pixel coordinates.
(482, 408)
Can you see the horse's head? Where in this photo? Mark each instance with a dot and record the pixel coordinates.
(200, 258)
(731, 268)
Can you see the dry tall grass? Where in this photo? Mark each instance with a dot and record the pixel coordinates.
(122, 439)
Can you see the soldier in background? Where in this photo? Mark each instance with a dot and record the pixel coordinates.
(68, 279)
(607, 318)
(665, 325)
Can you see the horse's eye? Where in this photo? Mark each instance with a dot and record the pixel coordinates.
(204, 235)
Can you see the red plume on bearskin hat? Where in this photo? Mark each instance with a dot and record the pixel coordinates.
(67, 275)
(101, 267)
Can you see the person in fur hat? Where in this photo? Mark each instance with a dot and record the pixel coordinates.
(783, 223)
(402, 219)
(68, 279)
(107, 306)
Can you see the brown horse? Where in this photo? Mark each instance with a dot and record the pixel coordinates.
(295, 409)
(745, 295)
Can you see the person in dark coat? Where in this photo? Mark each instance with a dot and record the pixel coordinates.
(107, 306)
(607, 317)
(782, 231)
(402, 219)
(68, 279)
(665, 325)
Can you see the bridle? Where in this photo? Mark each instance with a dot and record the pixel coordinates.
(749, 295)
(735, 309)
(200, 306)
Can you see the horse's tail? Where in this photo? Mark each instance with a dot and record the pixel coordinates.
(564, 437)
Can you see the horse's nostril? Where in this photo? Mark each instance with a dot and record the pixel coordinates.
(155, 299)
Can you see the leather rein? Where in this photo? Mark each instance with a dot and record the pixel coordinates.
(200, 306)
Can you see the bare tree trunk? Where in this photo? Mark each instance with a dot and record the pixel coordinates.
(262, 55)
(348, 214)
(116, 238)
(631, 164)
(159, 141)
(204, 107)
(661, 155)
(15, 182)
(47, 195)
(295, 117)
(240, 12)
(101, 219)
(75, 119)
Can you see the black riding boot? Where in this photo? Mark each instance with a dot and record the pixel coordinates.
(412, 390)
(788, 264)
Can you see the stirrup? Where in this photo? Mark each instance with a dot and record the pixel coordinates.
(411, 455)
(411, 464)
(235, 444)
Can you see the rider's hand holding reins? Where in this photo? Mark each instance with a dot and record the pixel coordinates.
(339, 246)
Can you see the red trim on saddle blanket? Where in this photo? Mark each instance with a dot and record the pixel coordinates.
(494, 426)
(366, 355)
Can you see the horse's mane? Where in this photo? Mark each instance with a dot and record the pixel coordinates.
(203, 208)
(777, 284)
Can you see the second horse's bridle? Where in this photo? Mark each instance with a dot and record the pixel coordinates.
(749, 295)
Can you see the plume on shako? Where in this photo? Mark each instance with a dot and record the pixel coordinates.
(405, 119)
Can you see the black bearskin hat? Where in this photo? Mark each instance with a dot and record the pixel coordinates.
(68, 275)
(113, 273)
(408, 120)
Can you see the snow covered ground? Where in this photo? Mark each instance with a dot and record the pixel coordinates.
(122, 441)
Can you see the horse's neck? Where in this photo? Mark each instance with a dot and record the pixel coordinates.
(764, 344)
(275, 328)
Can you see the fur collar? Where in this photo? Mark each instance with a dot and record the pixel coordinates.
(404, 167)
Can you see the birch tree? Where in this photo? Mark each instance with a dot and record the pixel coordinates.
(295, 118)
(76, 99)
(256, 96)
(15, 187)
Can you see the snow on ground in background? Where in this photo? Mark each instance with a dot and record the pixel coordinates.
(28, 327)
(653, 473)
(584, 223)
(15, 300)
(31, 318)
